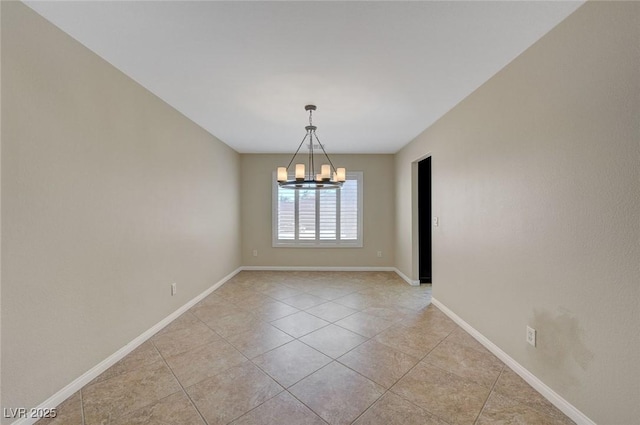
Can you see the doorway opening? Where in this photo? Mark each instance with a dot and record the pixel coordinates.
(424, 221)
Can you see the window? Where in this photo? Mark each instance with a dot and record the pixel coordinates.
(319, 218)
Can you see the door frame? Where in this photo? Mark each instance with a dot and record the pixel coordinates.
(415, 218)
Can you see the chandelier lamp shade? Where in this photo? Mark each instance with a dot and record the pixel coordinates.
(316, 173)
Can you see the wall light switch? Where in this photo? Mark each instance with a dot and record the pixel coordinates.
(174, 288)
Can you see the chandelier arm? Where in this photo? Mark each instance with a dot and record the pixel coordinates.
(299, 146)
(312, 165)
(325, 152)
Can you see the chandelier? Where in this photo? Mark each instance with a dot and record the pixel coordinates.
(328, 177)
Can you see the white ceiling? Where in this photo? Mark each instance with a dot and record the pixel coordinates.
(380, 72)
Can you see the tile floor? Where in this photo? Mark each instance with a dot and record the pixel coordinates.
(298, 348)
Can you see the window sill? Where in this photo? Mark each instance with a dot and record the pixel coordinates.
(316, 245)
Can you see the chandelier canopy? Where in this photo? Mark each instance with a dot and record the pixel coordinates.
(328, 176)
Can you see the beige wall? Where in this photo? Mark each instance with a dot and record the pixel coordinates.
(536, 183)
(108, 196)
(378, 216)
(0, 212)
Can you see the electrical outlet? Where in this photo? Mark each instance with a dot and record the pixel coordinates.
(436, 221)
(379, 254)
(174, 288)
(255, 252)
(531, 336)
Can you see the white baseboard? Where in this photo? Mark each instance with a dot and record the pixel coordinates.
(319, 268)
(406, 278)
(91, 374)
(334, 269)
(567, 408)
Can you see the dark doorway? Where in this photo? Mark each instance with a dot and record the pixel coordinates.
(424, 219)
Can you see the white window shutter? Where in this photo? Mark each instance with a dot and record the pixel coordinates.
(349, 210)
(286, 215)
(328, 217)
(322, 218)
(306, 214)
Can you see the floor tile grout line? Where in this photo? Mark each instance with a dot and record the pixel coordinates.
(386, 391)
(330, 321)
(389, 390)
(364, 376)
(302, 336)
(419, 407)
(119, 375)
(524, 403)
(370, 379)
(305, 404)
(365, 336)
(92, 383)
(408, 371)
(335, 358)
(480, 349)
(304, 377)
(148, 404)
(454, 373)
(368, 407)
(489, 395)
(184, 391)
(254, 408)
(82, 406)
